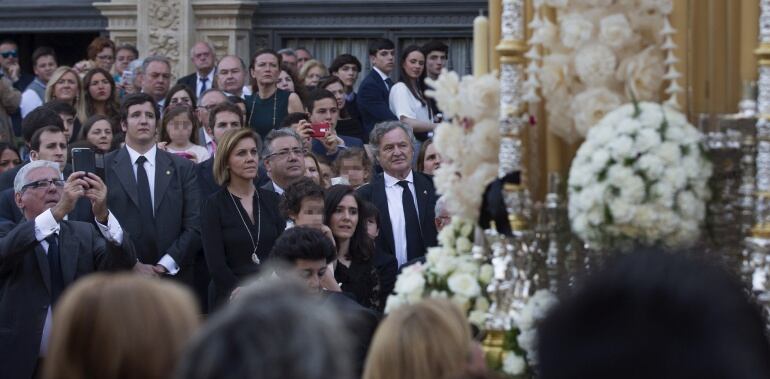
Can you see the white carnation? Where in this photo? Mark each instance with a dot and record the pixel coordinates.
(410, 281)
(575, 30)
(615, 31)
(621, 148)
(513, 364)
(444, 266)
(647, 139)
(590, 106)
(595, 64)
(463, 284)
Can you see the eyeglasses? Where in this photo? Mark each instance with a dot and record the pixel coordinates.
(10, 53)
(284, 154)
(44, 183)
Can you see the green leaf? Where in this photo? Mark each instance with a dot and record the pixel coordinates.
(637, 109)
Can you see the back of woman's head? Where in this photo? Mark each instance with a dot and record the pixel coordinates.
(120, 326)
(430, 339)
(655, 315)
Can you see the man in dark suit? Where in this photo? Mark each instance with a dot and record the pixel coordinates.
(284, 159)
(373, 102)
(203, 58)
(41, 256)
(154, 195)
(405, 198)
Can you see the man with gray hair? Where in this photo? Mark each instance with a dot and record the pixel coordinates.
(289, 57)
(42, 255)
(203, 58)
(405, 198)
(156, 78)
(284, 159)
(231, 75)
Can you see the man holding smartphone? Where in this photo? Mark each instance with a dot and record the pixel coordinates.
(322, 109)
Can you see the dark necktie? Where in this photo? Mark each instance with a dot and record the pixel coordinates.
(54, 264)
(203, 85)
(414, 245)
(148, 253)
(389, 83)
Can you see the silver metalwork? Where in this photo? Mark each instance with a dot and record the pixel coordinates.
(512, 20)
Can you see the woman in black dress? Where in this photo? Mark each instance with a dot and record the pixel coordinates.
(355, 268)
(268, 105)
(240, 222)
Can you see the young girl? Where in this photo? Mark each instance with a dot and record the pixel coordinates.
(179, 134)
(354, 165)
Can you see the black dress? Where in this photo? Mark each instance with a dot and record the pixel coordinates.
(226, 243)
(267, 114)
(368, 282)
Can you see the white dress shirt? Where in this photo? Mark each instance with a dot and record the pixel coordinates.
(394, 193)
(29, 101)
(198, 84)
(403, 103)
(45, 225)
(149, 166)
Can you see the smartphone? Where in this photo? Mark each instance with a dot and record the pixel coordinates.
(320, 129)
(83, 159)
(128, 76)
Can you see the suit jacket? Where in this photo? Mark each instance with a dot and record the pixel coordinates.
(25, 283)
(318, 147)
(177, 205)
(191, 81)
(374, 192)
(373, 102)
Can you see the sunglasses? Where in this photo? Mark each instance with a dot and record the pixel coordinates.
(10, 53)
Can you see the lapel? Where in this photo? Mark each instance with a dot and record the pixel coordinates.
(380, 200)
(122, 168)
(68, 252)
(164, 171)
(422, 196)
(42, 262)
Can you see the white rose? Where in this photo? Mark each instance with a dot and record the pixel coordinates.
(643, 73)
(467, 265)
(445, 265)
(554, 73)
(434, 255)
(513, 364)
(595, 64)
(481, 304)
(615, 30)
(478, 318)
(463, 284)
(485, 273)
(590, 106)
(446, 236)
(464, 245)
(575, 30)
(410, 282)
(462, 302)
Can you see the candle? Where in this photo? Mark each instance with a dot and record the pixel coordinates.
(480, 46)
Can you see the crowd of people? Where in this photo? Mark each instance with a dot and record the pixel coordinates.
(322, 189)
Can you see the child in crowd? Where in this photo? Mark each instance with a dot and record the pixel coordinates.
(372, 219)
(354, 165)
(303, 203)
(179, 134)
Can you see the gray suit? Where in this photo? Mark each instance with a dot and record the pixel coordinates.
(25, 288)
(177, 207)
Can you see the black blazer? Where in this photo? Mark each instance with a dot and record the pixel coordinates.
(25, 283)
(191, 81)
(177, 205)
(374, 192)
(228, 246)
(373, 102)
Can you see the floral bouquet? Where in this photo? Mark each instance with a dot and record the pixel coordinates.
(640, 178)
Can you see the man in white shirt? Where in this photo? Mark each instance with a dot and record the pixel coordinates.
(203, 58)
(43, 64)
(231, 75)
(405, 198)
(43, 255)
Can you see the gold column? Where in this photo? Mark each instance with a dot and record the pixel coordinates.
(495, 10)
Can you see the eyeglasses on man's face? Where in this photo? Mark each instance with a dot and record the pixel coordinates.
(43, 183)
(10, 53)
(284, 153)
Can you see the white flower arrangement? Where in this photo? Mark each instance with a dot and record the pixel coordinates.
(639, 178)
(596, 47)
(468, 139)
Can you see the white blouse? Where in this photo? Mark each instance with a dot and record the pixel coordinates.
(403, 103)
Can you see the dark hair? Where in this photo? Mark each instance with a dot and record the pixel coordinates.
(293, 118)
(137, 99)
(318, 94)
(83, 135)
(99, 44)
(236, 100)
(7, 146)
(61, 107)
(299, 85)
(180, 87)
(420, 164)
(342, 60)
(38, 118)
(176, 111)
(371, 212)
(34, 144)
(655, 315)
(302, 242)
(361, 246)
(304, 188)
(434, 45)
(254, 87)
(354, 153)
(380, 44)
(111, 103)
(419, 93)
(128, 47)
(329, 80)
(42, 51)
(227, 106)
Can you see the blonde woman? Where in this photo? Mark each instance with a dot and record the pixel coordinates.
(312, 72)
(430, 339)
(65, 85)
(120, 326)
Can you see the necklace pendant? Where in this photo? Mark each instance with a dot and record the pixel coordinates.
(255, 258)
